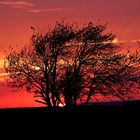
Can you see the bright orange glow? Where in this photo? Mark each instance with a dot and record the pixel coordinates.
(1, 63)
(61, 105)
(115, 41)
(3, 74)
(61, 62)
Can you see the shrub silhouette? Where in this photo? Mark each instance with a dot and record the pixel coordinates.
(67, 64)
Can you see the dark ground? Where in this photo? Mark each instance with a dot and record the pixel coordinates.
(98, 118)
(93, 110)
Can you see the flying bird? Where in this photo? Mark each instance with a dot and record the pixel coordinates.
(32, 28)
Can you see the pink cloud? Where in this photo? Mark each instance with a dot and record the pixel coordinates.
(17, 3)
(28, 6)
(44, 10)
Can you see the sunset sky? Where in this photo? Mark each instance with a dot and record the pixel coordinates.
(16, 17)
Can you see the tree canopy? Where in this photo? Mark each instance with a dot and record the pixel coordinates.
(69, 63)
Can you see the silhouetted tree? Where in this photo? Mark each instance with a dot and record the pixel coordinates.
(69, 63)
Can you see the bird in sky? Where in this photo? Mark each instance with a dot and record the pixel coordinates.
(32, 28)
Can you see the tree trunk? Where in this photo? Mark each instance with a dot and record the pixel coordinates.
(88, 99)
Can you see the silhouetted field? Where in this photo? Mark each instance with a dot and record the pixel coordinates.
(101, 115)
(95, 108)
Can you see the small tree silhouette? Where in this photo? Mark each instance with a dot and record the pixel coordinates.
(69, 63)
